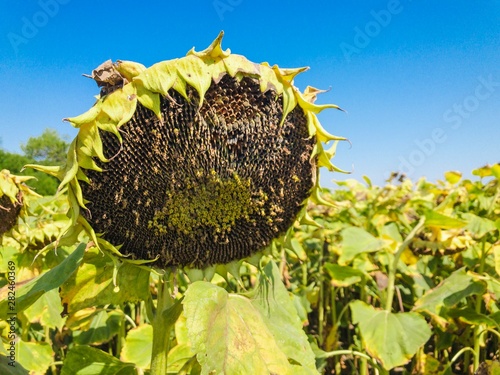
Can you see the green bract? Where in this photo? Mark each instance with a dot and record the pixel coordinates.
(194, 161)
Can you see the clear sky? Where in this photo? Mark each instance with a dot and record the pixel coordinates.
(420, 80)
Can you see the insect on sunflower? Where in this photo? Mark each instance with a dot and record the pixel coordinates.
(194, 161)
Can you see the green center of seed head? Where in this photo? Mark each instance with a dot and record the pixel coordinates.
(213, 205)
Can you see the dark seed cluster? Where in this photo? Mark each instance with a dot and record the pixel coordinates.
(206, 185)
(9, 212)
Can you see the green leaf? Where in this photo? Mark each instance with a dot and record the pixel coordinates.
(448, 293)
(436, 219)
(177, 358)
(295, 247)
(356, 241)
(103, 327)
(391, 338)
(14, 368)
(343, 276)
(85, 360)
(470, 316)
(47, 310)
(278, 311)
(92, 284)
(28, 293)
(479, 226)
(138, 346)
(229, 335)
(35, 356)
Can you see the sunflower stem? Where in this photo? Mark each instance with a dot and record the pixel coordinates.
(394, 265)
(162, 327)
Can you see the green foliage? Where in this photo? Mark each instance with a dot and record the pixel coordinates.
(48, 147)
(85, 360)
(394, 338)
(399, 279)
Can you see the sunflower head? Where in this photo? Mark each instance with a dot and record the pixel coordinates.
(12, 198)
(194, 161)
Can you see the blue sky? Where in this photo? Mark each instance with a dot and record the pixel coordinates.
(420, 80)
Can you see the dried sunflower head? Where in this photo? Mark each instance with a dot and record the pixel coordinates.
(194, 161)
(12, 198)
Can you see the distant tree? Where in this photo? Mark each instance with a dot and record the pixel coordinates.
(48, 148)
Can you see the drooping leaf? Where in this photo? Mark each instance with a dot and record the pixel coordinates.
(343, 276)
(295, 247)
(277, 309)
(448, 293)
(138, 346)
(357, 241)
(86, 360)
(470, 316)
(196, 73)
(228, 334)
(392, 338)
(35, 356)
(92, 284)
(436, 219)
(28, 293)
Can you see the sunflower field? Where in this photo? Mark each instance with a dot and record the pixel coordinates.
(190, 235)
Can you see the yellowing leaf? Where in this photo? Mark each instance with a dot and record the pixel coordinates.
(120, 104)
(196, 73)
(92, 283)
(228, 333)
(148, 99)
(278, 311)
(160, 77)
(452, 176)
(35, 356)
(129, 69)
(240, 64)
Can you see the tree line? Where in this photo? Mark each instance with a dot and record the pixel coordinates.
(48, 149)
